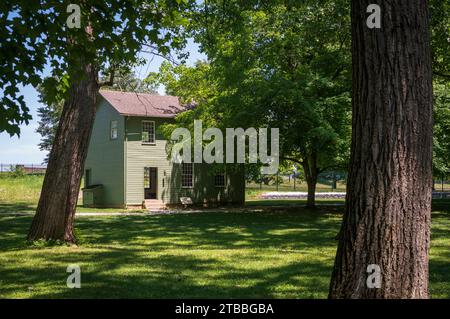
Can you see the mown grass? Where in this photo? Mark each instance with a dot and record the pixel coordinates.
(21, 195)
(284, 253)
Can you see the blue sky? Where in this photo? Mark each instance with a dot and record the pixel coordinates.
(25, 150)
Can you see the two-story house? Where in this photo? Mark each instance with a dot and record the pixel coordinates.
(127, 157)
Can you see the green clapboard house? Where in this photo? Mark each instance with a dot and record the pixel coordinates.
(127, 164)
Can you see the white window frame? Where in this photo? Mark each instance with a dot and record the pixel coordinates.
(154, 133)
(112, 128)
(192, 176)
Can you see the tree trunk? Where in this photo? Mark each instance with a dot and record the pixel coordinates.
(311, 201)
(309, 167)
(387, 217)
(56, 209)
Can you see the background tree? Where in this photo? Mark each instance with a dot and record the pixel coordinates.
(268, 69)
(388, 204)
(441, 131)
(440, 32)
(48, 123)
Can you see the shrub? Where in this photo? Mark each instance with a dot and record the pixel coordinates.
(17, 171)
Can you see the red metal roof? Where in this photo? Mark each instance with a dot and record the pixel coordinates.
(141, 104)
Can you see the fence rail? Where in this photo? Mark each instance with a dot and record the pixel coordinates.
(329, 182)
(25, 168)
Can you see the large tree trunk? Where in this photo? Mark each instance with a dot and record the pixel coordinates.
(387, 217)
(56, 209)
(311, 174)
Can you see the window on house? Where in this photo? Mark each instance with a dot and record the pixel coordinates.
(113, 130)
(148, 132)
(187, 174)
(219, 180)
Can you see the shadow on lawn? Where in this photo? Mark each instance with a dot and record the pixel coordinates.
(20, 207)
(178, 256)
(216, 231)
(201, 255)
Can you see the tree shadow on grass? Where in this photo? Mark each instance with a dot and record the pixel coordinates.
(211, 230)
(167, 277)
(207, 255)
(17, 208)
(196, 255)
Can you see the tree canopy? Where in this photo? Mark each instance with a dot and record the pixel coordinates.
(34, 36)
(268, 68)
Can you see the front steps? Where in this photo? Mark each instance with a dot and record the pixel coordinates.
(154, 205)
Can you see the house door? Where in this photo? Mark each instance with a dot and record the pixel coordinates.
(150, 182)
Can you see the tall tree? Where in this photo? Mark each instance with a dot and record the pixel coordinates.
(94, 38)
(270, 70)
(387, 216)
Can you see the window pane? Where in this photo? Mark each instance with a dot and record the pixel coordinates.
(146, 177)
(219, 180)
(113, 130)
(148, 132)
(187, 172)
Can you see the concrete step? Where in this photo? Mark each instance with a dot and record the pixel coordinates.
(154, 205)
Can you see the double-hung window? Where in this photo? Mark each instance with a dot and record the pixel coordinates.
(148, 132)
(187, 175)
(219, 180)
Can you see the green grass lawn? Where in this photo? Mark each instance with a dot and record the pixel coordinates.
(21, 195)
(285, 253)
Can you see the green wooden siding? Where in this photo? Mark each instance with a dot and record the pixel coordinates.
(140, 155)
(119, 165)
(105, 158)
(169, 190)
(204, 189)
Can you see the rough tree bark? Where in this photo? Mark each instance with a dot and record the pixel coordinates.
(387, 217)
(57, 204)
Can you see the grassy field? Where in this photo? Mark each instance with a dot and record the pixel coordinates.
(21, 194)
(282, 252)
(285, 253)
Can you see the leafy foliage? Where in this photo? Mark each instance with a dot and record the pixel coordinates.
(441, 138)
(34, 35)
(440, 37)
(268, 68)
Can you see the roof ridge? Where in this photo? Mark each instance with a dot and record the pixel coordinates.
(132, 92)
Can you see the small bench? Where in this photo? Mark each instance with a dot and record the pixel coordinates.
(186, 201)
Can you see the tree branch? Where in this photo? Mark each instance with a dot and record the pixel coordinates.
(110, 82)
(292, 160)
(154, 50)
